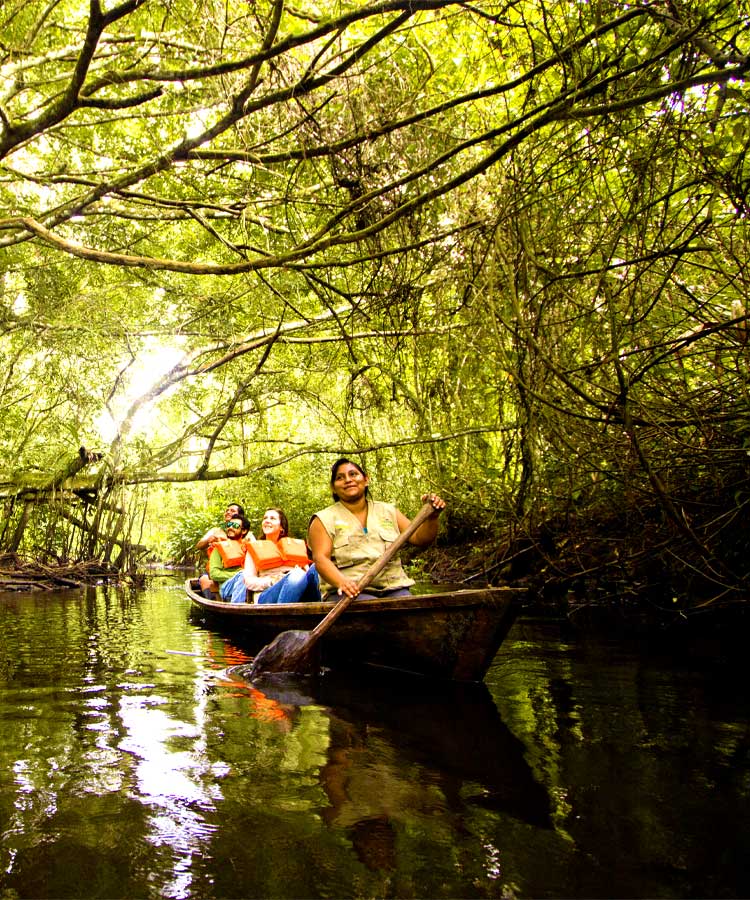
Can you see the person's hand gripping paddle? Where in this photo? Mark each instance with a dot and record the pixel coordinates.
(293, 651)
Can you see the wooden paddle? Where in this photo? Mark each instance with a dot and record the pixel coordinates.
(293, 651)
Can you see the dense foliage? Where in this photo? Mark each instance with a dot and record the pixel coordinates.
(496, 249)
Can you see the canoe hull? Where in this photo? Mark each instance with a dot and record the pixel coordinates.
(453, 635)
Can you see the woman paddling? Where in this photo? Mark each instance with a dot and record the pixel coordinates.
(348, 536)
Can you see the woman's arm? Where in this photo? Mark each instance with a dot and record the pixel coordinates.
(427, 531)
(321, 546)
(253, 581)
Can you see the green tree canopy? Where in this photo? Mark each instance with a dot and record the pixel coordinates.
(499, 246)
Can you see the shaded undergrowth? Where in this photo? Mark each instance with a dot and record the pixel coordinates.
(628, 558)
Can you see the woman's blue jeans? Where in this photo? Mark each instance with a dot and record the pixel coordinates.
(298, 586)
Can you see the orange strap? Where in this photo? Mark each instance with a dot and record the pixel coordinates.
(232, 552)
(287, 552)
(295, 551)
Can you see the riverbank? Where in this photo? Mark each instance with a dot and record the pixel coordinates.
(626, 565)
(19, 574)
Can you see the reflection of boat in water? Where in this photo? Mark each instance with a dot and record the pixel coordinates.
(451, 635)
(399, 744)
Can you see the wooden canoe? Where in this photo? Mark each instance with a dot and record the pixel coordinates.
(453, 635)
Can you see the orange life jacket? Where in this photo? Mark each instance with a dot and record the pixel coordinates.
(232, 552)
(286, 552)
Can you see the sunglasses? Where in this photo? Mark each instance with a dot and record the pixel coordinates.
(233, 523)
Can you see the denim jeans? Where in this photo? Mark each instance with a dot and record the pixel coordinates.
(234, 589)
(297, 586)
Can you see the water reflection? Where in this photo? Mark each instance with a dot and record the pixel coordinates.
(404, 752)
(135, 761)
(177, 786)
(627, 736)
(100, 750)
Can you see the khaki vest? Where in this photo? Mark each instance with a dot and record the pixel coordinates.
(354, 551)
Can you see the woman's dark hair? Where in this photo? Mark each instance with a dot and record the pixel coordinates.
(341, 462)
(283, 521)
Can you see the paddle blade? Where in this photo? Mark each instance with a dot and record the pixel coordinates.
(290, 651)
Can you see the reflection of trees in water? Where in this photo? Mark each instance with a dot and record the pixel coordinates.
(638, 745)
(408, 758)
(533, 687)
(110, 755)
(161, 773)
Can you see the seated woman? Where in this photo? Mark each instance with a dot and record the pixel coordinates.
(275, 573)
(348, 536)
(227, 556)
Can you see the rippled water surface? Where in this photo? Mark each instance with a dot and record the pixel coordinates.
(134, 763)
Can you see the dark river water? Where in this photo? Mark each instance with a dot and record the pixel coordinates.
(134, 763)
